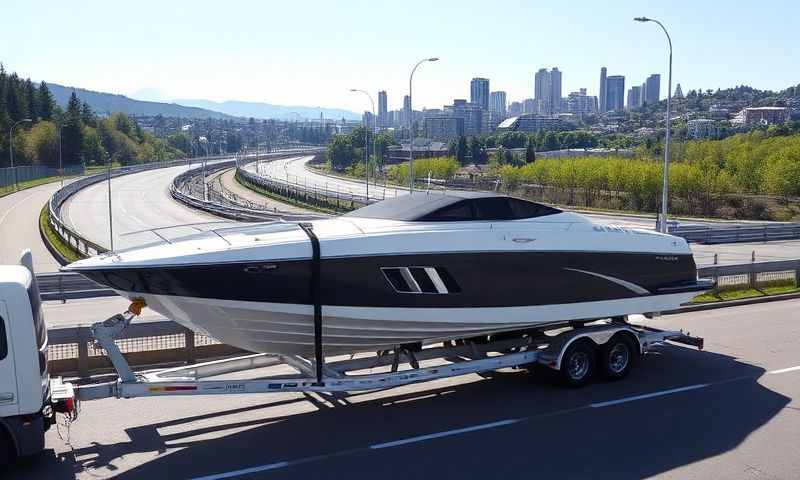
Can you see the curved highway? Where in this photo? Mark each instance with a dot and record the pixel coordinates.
(140, 201)
(19, 226)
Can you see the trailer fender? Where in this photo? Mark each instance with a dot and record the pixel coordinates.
(554, 353)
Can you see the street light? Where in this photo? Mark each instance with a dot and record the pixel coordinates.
(11, 147)
(366, 137)
(410, 122)
(662, 221)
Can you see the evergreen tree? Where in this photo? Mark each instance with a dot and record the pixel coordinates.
(530, 151)
(461, 150)
(45, 100)
(72, 132)
(31, 100)
(87, 115)
(476, 149)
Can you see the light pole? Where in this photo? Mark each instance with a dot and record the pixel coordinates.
(366, 137)
(11, 147)
(411, 121)
(662, 221)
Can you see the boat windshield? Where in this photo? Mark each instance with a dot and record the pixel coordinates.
(454, 208)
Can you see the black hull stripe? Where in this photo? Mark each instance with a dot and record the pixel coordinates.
(485, 279)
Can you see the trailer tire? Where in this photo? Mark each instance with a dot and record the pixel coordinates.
(578, 364)
(617, 357)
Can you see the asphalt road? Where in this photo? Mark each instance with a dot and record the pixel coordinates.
(19, 226)
(730, 412)
(140, 201)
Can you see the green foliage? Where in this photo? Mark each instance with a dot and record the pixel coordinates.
(530, 151)
(341, 152)
(346, 150)
(442, 168)
(461, 150)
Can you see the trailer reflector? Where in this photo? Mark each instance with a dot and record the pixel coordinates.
(175, 388)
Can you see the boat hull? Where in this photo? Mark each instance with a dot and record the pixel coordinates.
(289, 328)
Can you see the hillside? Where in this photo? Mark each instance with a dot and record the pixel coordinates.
(106, 103)
(268, 110)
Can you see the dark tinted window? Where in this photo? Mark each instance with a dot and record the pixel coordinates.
(523, 209)
(3, 340)
(493, 208)
(459, 211)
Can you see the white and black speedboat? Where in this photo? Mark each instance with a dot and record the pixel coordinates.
(415, 268)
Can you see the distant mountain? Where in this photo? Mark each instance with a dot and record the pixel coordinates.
(105, 103)
(267, 110)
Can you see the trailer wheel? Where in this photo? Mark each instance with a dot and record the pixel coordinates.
(617, 357)
(578, 364)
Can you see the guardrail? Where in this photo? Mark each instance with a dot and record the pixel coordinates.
(72, 351)
(190, 189)
(738, 233)
(80, 243)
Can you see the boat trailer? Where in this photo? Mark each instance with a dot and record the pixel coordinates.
(386, 369)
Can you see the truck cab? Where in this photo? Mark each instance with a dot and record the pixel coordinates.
(25, 399)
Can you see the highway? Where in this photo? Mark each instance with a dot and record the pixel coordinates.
(19, 226)
(140, 201)
(729, 412)
(295, 170)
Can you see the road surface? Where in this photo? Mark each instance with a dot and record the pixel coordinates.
(140, 201)
(19, 226)
(730, 412)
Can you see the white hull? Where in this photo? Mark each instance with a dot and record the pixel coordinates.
(289, 328)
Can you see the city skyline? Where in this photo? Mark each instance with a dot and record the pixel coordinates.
(205, 52)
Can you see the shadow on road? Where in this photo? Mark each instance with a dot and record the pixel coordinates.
(562, 436)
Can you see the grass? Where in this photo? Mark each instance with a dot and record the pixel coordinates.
(743, 293)
(28, 184)
(281, 198)
(54, 239)
(101, 168)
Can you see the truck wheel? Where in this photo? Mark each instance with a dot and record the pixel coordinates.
(578, 364)
(617, 357)
(7, 451)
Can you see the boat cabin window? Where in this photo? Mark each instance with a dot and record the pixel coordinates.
(488, 209)
(3, 341)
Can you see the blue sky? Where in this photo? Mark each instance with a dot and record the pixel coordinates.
(312, 52)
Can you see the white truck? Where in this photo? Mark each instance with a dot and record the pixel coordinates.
(30, 399)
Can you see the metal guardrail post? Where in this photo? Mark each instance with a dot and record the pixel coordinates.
(191, 354)
(84, 336)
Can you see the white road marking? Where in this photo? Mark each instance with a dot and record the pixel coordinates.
(8, 212)
(446, 433)
(784, 370)
(244, 471)
(648, 395)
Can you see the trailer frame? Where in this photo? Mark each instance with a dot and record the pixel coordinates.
(400, 366)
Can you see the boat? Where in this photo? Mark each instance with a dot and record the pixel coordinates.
(418, 268)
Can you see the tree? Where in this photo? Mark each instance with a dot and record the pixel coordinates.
(551, 141)
(476, 149)
(530, 151)
(461, 150)
(87, 115)
(72, 132)
(46, 102)
(340, 152)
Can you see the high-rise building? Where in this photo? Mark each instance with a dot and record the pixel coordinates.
(529, 106)
(383, 111)
(479, 92)
(653, 91)
(515, 109)
(497, 103)
(443, 127)
(578, 102)
(603, 90)
(634, 97)
(406, 110)
(555, 90)
(470, 112)
(615, 92)
(541, 86)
